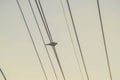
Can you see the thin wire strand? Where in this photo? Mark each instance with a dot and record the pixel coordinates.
(3, 74)
(54, 49)
(41, 15)
(40, 32)
(41, 64)
(81, 53)
(47, 28)
(68, 27)
(45, 20)
(50, 37)
(104, 40)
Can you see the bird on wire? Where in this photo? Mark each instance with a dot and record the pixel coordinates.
(52, 44)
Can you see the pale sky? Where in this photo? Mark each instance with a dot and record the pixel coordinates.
(17, 55)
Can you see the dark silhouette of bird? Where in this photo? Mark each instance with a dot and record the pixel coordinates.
(52, 44)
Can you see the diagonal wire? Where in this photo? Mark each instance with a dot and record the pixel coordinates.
(3, 74)
(104, 40)
(44, 19)
(43, 39)
(49, 35)
(41, 64)
(48, 30)
(54, 49)
(41, 16)
(68, 27)
(81, 53)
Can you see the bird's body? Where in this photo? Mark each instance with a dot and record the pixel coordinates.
(52, 44)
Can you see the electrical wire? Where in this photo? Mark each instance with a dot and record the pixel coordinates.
(3, 74)
(49, 35)
(81, 53)
(68, 27)
(48, 30)
(41, 64)
(44, 19)
(54, 49)
(40, 32)
(104, 40)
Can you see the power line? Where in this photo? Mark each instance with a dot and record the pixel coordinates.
(49, 35)
(41, 64)
(3, 74)
(54, 49)
(43, 19)
(43, 39)
(68, 27)
(47, 28)
(51, 40)
(104, 40)
(81, 53)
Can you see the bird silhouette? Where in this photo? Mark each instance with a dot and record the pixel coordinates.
(52, 44)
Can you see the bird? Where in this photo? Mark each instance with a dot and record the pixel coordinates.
(52, 43)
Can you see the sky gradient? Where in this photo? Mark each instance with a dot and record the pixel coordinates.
(17, 55)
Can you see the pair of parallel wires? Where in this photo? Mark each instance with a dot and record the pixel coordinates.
(103, 35)
(31, 38)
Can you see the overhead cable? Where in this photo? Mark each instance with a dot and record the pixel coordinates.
(40, 32)
(104, 40)
(40, 9)
(49, 34)
(68, 27)
(81, 53)
(36, 51)
(3, 74)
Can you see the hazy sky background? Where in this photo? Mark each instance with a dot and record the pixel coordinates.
(17, 55)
